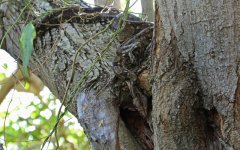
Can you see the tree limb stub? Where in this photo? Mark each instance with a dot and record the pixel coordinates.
(111, 128)
(59, 36)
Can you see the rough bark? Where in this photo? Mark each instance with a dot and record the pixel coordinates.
(102, 99)
(195, 85)
(195, 90)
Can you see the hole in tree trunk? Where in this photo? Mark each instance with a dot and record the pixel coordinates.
(138, 127)
(213, 127)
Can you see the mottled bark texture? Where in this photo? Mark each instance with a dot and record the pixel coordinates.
(196, 73)
(195, 66)
(101, 100)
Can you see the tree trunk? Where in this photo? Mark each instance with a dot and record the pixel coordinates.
(147, 9)
(192, 101)
(195, 66)
(98, 97)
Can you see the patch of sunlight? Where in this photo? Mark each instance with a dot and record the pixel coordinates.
(90, 1)
(46, 113)
(7, 59)
(20, 106)
(136, 6)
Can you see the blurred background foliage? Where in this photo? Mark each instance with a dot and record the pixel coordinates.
(26, 120)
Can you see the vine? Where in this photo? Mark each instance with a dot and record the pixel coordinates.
(120, 27)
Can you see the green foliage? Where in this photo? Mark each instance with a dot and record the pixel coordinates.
(17, 21)
(2, 76)
(27, 131)
(67, 1)
(28, 120)
(5, 66)
(26, 46)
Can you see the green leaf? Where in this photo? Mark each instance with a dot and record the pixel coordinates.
(26, 85)
(26, 46)
(5, 66)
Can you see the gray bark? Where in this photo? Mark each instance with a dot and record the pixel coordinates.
(147, 9)
(195, 93)
(96, 101)
(195, 88)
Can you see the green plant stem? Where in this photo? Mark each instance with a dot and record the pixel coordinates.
(121, 25)
(12, 26)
